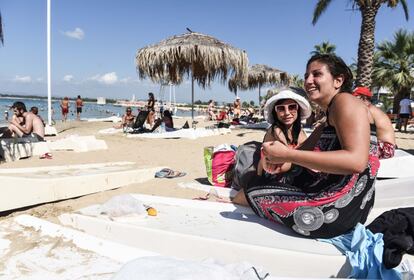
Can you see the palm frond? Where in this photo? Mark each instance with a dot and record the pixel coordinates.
(320, 9)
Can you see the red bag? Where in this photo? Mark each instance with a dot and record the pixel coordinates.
(219, 164)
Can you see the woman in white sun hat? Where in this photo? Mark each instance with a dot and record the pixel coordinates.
(285, 111)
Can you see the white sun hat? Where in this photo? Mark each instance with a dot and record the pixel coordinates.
(287, 94)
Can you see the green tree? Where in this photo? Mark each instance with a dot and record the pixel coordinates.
(394, 65)
(252, 103)
(324, 48)
(369, 10)
(297, 81)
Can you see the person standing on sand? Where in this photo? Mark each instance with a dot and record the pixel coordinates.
(79, 105)
(237, 107)
(151, 109)
(64, 105)
(385, 131)
(210, 109)
(405, 113)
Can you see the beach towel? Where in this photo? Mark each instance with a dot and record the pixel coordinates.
(219, 163)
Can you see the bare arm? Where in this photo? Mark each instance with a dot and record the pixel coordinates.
(28, 126)
(350, 120)
(385, 130)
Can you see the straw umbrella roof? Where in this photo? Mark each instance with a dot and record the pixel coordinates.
(192, 54)
(259, 75)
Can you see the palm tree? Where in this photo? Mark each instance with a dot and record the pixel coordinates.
(1, 32)
(368, 9)
(394, 65)
(324, 48)
(297, 81)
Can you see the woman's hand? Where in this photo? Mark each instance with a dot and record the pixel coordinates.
(272, 168)
(274, 152)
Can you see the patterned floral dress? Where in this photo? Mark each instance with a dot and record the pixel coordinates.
(317, 204)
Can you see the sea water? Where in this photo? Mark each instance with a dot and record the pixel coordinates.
(89, 110)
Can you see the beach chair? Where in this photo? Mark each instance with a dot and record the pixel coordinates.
(140, 120)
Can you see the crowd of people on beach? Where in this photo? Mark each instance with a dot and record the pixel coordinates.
(147, 119)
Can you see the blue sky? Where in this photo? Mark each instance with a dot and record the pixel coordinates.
(94, 41)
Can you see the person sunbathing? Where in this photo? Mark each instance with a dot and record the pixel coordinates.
(35, 111)
(127, 119)
(285, 111)
(33, 126)
(223, 115)
(340, 195)
(384, 128)
(168, 121)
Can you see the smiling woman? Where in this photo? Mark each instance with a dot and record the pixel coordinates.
(330, 186)
(285, 111)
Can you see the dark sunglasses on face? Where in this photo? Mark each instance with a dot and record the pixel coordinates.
(292, 107)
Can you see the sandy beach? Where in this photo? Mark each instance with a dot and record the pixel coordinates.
(178, 154)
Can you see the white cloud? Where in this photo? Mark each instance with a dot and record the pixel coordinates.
(22, 79)
(40, 79)
(108, 78)
(68, 78)
(75, 34)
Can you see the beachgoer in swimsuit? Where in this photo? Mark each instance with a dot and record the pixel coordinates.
(33, 126)
(210, 110)
(237, 107)
(79, 105)
(64, 105)
(385, 130)
(333, 200)
(151, 109)
(35, 111)
(127, 119)
(168, 121)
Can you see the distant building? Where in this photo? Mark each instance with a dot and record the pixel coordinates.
(101, 100)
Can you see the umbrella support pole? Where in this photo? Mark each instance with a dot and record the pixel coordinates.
(260, 107)
(192, 101)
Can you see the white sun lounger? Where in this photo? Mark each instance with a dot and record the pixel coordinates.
(77, 144)
(198, 229)
(192, 229)
(399, 166)
(190, 133)
(49, 251)
(21, 187)
(113, 119)
(32, 248)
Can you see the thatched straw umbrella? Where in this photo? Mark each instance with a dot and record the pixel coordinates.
(195, 55)
(259, 75)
